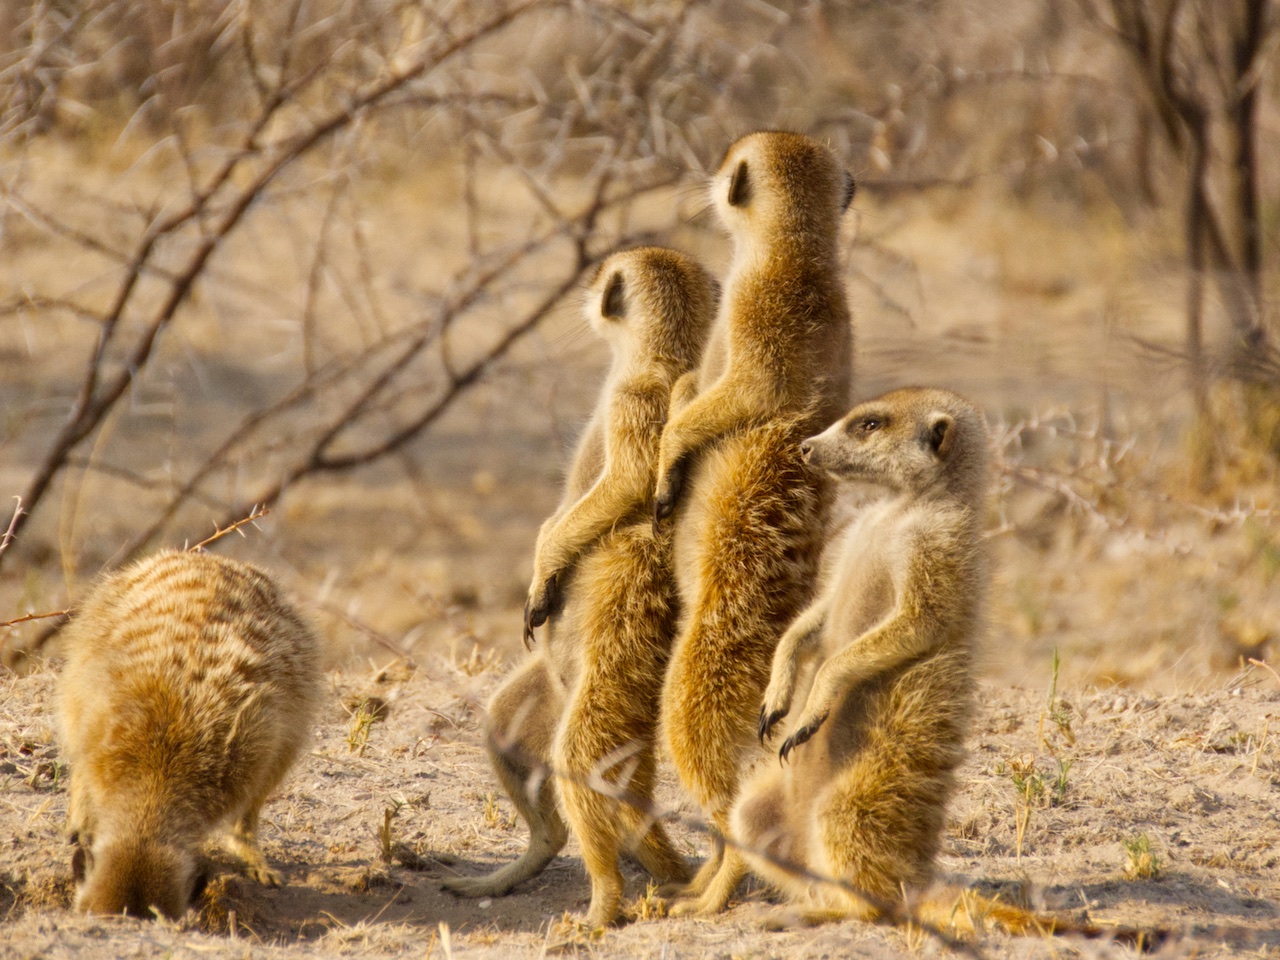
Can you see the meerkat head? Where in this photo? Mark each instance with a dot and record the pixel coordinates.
(653, 303)
(916, 440)
(772, 181)
(134, 875)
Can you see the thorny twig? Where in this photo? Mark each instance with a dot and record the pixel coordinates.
(257, 512)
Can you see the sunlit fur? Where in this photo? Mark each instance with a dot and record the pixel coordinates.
(892, 632)
(190, 686)
(585, 704)
(749, 513)
(871, 747)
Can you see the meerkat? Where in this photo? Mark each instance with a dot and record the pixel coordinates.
(895, 626)
(748, 532)
(870, 757)
(585, 704)
(189, 688)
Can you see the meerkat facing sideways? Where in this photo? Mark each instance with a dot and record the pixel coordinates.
(586, 702)
(190, 686)
(749, 527)
(870, 759)
(895, 627)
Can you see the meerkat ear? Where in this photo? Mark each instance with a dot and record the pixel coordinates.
(612, 304)
(739, 186)
(850, 188)
(942, 435)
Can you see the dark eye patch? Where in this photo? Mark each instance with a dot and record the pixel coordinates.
(612, 304)
(739, 186)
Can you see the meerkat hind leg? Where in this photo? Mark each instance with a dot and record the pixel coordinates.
(547, 836)
(522, 718)
(701, 879)
(716, 896)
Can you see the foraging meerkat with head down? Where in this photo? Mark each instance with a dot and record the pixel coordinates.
(189, 688)
(585, 704)
(751, 515)
(871, 752)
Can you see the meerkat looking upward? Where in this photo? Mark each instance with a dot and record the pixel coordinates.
(190, 686)
(750, 523)
(585, 704)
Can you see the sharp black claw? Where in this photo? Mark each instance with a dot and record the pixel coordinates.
(785, 749)
(537, 616)
(767, 723)
(799, 736)
(528, 626)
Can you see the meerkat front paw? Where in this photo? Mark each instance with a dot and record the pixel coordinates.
(768, 720)
(264, 875)
(669, 485)
(544, 596)
(802, 734)
(776, 705)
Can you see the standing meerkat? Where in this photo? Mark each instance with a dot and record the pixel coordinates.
(749, 530)
(870, 757)
(586, 703)
(190, 686)
(895, 627)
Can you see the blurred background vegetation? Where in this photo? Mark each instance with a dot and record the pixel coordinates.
(324, 257)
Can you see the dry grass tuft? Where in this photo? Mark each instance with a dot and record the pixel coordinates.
(648, 906)
(1141, 860)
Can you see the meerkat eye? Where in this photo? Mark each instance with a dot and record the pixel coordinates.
(611, 304)
(739, 186)
(871, 424)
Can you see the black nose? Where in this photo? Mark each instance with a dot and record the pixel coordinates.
(806, 448)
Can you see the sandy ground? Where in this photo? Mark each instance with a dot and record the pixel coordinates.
(1058, 799)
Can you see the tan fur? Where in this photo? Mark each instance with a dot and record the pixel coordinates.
(190, 686)
(894, 627)
(586, 703)
(748, 533)
(869, 762)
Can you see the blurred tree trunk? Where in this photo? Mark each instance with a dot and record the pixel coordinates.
(1201, 64)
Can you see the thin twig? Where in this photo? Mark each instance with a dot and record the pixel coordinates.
(257, 512)
(13, 523)
(35, 616)
(1266, 666)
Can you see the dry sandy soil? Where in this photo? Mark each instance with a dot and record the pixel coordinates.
(1055, 799)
